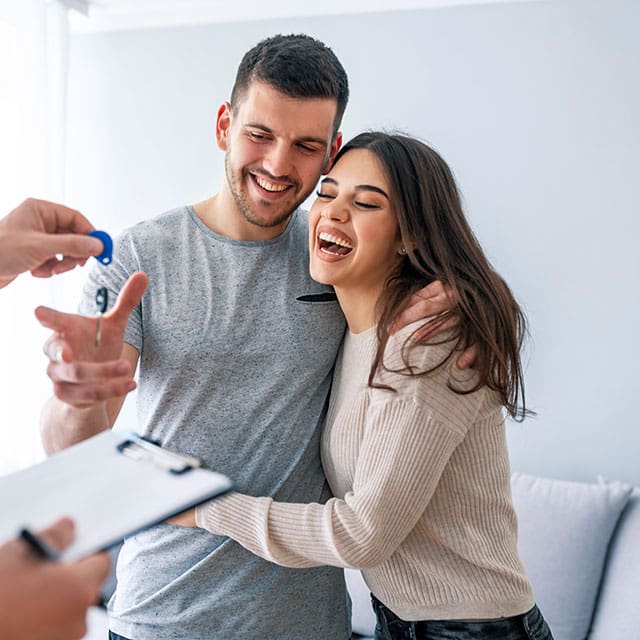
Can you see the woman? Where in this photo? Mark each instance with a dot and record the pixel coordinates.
(413, 448)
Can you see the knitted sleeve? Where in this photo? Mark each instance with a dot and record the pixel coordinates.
(404, 450)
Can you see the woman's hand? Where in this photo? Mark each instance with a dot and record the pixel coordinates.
(184, 519)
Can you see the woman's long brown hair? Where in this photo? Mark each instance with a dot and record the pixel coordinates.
(441, 246)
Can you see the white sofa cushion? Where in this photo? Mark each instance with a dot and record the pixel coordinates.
(363, 619)
(617, 609)
(564, 531)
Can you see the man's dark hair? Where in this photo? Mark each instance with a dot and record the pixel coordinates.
(298, 66)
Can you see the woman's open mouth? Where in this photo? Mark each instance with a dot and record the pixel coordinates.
(333, 244)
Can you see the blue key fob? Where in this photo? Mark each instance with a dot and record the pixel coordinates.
(106, 256)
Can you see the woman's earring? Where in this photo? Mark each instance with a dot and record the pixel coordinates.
(403, 251)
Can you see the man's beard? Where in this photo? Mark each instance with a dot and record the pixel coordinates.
(244, 206)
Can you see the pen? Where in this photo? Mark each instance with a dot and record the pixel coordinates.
(38, 545)
(46, 552)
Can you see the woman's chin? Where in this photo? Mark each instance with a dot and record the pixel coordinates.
(321, 276)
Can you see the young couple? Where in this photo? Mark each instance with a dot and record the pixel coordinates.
(237, 346)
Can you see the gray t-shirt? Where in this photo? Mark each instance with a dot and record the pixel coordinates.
(235, 371)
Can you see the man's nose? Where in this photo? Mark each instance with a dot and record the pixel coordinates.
(278, 162)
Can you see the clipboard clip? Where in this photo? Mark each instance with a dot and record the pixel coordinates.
(140, 448)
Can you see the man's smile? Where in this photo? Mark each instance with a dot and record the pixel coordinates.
(269, 188)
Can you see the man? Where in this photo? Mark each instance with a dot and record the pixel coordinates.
(43, 600)
(236, 346)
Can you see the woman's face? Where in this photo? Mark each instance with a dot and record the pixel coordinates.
(354, 238)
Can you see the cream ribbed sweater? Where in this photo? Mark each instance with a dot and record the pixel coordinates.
(422, 496)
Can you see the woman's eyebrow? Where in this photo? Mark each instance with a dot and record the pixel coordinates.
(371, 187)
(359, 187)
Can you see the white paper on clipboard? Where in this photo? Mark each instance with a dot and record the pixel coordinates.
(112, 485)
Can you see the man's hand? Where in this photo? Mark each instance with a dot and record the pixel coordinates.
(43, 600)
(34, 233)
(430, 301)
(83, 373)
(433, 300)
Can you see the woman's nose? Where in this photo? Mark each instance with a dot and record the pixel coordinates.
(335, 210)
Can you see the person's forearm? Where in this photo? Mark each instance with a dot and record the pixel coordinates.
(62, 425)
(7, 274)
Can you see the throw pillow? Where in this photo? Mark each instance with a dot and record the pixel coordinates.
(563, 535)
(617, 609)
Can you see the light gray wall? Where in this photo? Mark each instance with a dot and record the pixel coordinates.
(536, 108)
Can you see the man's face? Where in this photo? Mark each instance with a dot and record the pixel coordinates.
(276, 149)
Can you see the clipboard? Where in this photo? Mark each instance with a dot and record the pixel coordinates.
(113, 485)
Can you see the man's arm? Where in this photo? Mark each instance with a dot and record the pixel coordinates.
(433, 300)
(90, 381)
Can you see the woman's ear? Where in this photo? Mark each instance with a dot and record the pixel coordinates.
(405, 246)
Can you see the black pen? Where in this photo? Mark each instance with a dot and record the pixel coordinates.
(38, 545)
(47, 552)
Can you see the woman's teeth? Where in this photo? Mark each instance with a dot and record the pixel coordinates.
(328, 243)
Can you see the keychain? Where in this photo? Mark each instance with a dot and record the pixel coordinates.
(102, 295)
(107, 244)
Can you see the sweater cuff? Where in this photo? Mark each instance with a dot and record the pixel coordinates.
(235, 514)
(210, 514)
(201, 515)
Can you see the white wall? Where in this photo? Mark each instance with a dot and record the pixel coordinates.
(534, 105)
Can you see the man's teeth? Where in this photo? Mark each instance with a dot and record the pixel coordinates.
(270, 186)
(328, 237)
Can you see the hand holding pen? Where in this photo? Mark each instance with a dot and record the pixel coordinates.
(47, 600)
(85, 353)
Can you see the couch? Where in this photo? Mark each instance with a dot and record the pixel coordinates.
(580, 544)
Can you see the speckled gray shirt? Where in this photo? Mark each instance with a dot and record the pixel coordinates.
(236, 371)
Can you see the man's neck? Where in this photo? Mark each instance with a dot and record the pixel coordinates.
(221, 214)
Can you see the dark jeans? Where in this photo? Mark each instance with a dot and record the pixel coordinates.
(528, 626)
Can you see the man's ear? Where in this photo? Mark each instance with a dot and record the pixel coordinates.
(223, 125)
(333, 150)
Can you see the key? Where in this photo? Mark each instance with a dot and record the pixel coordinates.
(102, 300)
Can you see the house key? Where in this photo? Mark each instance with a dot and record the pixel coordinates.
(102, 300)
